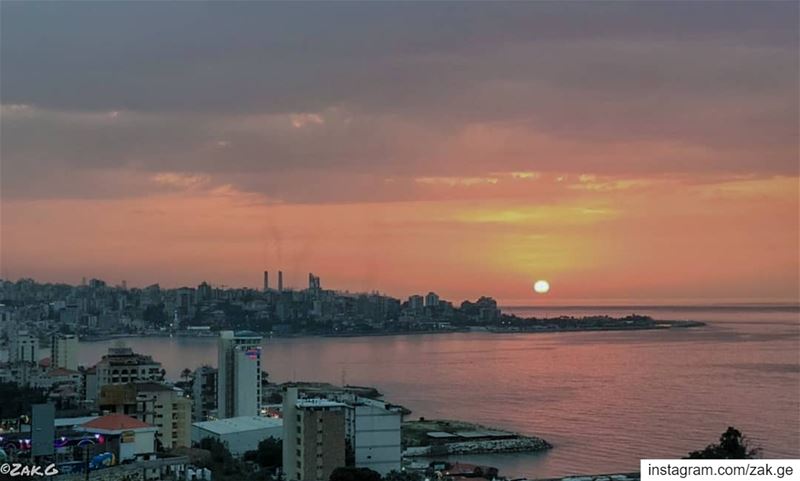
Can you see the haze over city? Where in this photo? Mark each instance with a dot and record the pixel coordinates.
(624, 152)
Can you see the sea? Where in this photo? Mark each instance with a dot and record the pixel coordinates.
(605, 400)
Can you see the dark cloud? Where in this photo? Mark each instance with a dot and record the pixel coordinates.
(215, 88)
(258, 56)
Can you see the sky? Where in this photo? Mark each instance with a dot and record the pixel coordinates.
(626, 152)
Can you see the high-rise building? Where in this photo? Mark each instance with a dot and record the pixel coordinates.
(185, 301)
(314, 284)
(64, 351)
(204, 394)
(431, 300)
(416, 302)
(204, 292)
(239, 374)
(24, 347)
(313, 437)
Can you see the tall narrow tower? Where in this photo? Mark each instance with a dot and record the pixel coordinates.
(280, 281)
(239, 374)
(266, 281)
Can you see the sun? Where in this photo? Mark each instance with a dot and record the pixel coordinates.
(541, 286)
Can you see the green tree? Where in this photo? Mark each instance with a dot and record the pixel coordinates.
(732, 445)
(268, 455)
(354, 474)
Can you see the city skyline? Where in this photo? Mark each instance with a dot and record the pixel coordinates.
(646, 156)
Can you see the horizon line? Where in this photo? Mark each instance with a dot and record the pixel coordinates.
(524, 303)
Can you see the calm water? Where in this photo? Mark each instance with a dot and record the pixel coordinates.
(604, 399)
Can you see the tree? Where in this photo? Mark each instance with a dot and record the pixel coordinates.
(354, 474)
(268, 455)
(732, 445)
(403, 476)
(186, 374)
(17, 400)
(221, 459)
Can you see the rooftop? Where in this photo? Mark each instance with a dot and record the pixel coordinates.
(151, 387)
(318, 403)
(79, 421)
(61, 423)
(115, 422)
(238, 424)
(247, 334)
(62, 372)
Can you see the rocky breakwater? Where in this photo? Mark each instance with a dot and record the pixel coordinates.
(442, 438)
(515, 445)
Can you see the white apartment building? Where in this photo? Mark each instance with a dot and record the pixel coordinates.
(238, 374)
(65, 351)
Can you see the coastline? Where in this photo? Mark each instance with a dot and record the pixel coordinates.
(657, 325)
(440, 437)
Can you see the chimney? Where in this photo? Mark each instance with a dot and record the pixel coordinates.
(266, 281)
(280, 281)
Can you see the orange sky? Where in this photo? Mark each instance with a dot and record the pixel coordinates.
(626, 152)
(598, 240)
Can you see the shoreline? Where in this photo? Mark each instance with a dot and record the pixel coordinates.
(657, 325)
(440, 437)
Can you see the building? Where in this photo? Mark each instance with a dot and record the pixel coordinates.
(313, 437)
(121, 366)
(431, 300)
(24, 347)
(156, 404)
(239, 374)
(60, 376)
(240, 434)
(185, 302)
(22, 373)
(204, 292)
(65, 351)
(314, 284)
(416, 302)
(204, 394)
(372, 429)
(129, 439)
